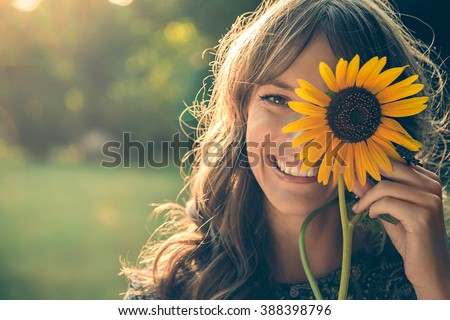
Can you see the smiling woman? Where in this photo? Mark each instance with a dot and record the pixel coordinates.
(236, 238)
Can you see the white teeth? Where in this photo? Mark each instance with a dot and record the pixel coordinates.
(282, 165)
(288, 170)
(295, 171)
(311, 172)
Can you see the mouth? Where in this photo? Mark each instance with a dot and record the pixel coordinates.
(293, 168)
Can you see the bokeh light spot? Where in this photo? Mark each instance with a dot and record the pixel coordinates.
(71, 154)
(122, 3)
(26, 5)
(180, 32)
(108, 216)
(74, 100)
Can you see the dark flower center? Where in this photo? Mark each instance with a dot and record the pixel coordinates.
(354, 114)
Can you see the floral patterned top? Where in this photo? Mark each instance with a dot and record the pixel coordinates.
(379, 277)
(373, 277)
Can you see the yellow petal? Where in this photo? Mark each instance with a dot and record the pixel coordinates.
(336, 171)
(371, 165)
(307, 136)
(333, 147)
(394, 125)
(381, 158)
(341, 73)
(333, 159)
(404, 108)
(384, 79)
(399, 138)
(306, 108)
(387, 147)
(352, 71)
(375, 72)
(339, 155)
(310, 93)
(405, 92)
(373, 169)
(313, 151)
(349, 171)
(304, 167)
(317, 144)
(304, 124)
(328, 76)
(399, 90)
(359, 163)
(324, 173)
(365, 71)
(302, 154)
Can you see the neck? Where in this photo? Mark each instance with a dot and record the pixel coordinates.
(323, 244)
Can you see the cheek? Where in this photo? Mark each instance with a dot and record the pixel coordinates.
(256, 128)
(260, 132)
(254, 138)
(263, 126)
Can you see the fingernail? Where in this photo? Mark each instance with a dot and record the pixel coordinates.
(355, 206)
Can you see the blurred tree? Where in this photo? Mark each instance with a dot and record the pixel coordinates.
(73, 66)
(69, 67)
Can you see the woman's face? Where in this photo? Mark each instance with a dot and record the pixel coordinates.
(291, 192)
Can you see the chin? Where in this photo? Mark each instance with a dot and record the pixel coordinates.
(299, 206)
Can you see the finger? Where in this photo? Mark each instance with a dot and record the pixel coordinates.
(405, 174)
(393, 206)
(427, 173)
(402, 173)
(414, 219)
(360, 190)
(432, 183)
(396, 190)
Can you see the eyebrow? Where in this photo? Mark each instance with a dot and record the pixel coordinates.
(280, 84)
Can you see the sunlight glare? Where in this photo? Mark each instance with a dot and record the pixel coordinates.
(26, 5)
(121, 3)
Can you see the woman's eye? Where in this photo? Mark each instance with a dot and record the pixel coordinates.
(275, 99)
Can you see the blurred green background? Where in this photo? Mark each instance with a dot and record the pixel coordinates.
(73, 75)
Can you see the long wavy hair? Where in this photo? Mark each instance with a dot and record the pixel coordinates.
(216, 245)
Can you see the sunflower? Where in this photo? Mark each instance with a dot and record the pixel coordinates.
(353, 124)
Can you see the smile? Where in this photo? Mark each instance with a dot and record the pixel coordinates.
(288, 169)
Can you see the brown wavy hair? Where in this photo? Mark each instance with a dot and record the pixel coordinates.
(217, 245)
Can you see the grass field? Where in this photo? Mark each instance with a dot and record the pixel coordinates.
(63, 228)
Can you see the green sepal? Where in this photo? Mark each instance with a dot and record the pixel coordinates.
(330, 93)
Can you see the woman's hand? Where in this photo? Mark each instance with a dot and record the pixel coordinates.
(413, 196)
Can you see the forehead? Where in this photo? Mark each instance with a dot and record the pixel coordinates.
(306, 65)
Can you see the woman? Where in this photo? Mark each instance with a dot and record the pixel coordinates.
(237, 236)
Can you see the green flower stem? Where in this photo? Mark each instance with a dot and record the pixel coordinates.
(302, 247)
(347, 235)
